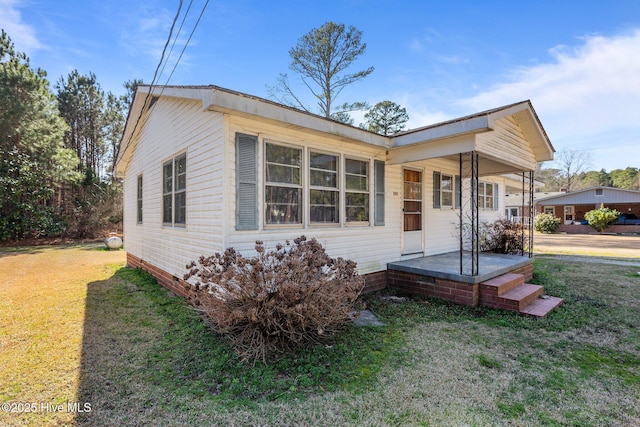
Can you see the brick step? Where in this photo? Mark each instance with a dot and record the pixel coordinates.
(513, 300)
(541, 307)
(522, 296)
(502, 284)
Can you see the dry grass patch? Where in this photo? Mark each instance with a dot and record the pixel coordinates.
(42, 309)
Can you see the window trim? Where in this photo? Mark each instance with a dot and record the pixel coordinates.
(549, 208)
(301, 186)
(452, 191)
(139, 200)
(367, 191)
(483, 197)
(173, 192)
(337, 189)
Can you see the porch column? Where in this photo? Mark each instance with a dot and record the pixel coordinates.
(469, 222)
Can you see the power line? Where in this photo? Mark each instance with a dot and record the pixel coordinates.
(146, 99)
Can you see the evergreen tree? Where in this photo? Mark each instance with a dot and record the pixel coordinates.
(82, 104)
(386, 118)
(33, 160)
(321, 58)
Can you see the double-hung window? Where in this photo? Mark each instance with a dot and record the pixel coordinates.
(356, 190)
(447, 191)
(283, 184)
(324, 191)
(174, 191)
(139, 200)
(487, 199)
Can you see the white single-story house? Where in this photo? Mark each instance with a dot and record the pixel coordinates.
(206, 168)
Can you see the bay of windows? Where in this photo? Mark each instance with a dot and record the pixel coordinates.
(331, 183)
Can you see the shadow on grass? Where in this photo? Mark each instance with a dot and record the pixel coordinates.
(147, 354)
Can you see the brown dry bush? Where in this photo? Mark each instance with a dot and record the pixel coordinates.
(276, 301)
(502, 236)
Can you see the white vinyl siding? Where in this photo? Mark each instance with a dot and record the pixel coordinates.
(177, 126)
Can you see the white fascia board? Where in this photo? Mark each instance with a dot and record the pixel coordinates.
(431, 150)
(446, 130)
(228, 102)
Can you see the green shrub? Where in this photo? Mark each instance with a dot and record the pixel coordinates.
(600, 219)
(546, 223)
(276, 301)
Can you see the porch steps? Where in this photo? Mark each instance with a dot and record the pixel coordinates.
(510, 292)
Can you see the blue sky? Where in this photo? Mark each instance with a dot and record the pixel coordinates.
(577, 60)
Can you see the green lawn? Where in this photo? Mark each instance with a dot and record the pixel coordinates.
(145, 358)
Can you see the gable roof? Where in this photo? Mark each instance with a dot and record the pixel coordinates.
(215, 98)
(588, 196)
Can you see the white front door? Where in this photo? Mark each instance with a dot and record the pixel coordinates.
(412, 237)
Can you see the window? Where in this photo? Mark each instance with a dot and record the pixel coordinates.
(324, 192)
(599, 192)
(444, 189)
(549, 210)
(487, 195)
(174, 191)
(139, 208)
(283, 184)
(356, 190)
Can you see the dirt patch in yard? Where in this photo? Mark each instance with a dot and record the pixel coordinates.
(602, 245)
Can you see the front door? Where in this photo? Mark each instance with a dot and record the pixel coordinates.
(412, 239)
(569, 214)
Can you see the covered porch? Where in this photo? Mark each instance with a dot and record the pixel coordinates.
(502, 144)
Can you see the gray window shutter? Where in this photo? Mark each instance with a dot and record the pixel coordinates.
(436, 190)
(379, 199)
(496, 204)
(458, 185)
(246, 182)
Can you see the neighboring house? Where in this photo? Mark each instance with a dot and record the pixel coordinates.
(517, 203)
(206, 168)
(571, 207)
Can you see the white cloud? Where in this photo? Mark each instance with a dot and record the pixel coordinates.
(590, 89)
(22, 34)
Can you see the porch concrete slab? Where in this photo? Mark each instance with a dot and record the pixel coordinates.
(447, 266)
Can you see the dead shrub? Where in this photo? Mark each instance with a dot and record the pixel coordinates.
(276, 301)
(502, 236)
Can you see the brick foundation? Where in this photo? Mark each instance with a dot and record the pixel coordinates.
(172, 283)
(458, 292)
(375, 281)
(526, 271)
(372, 281)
